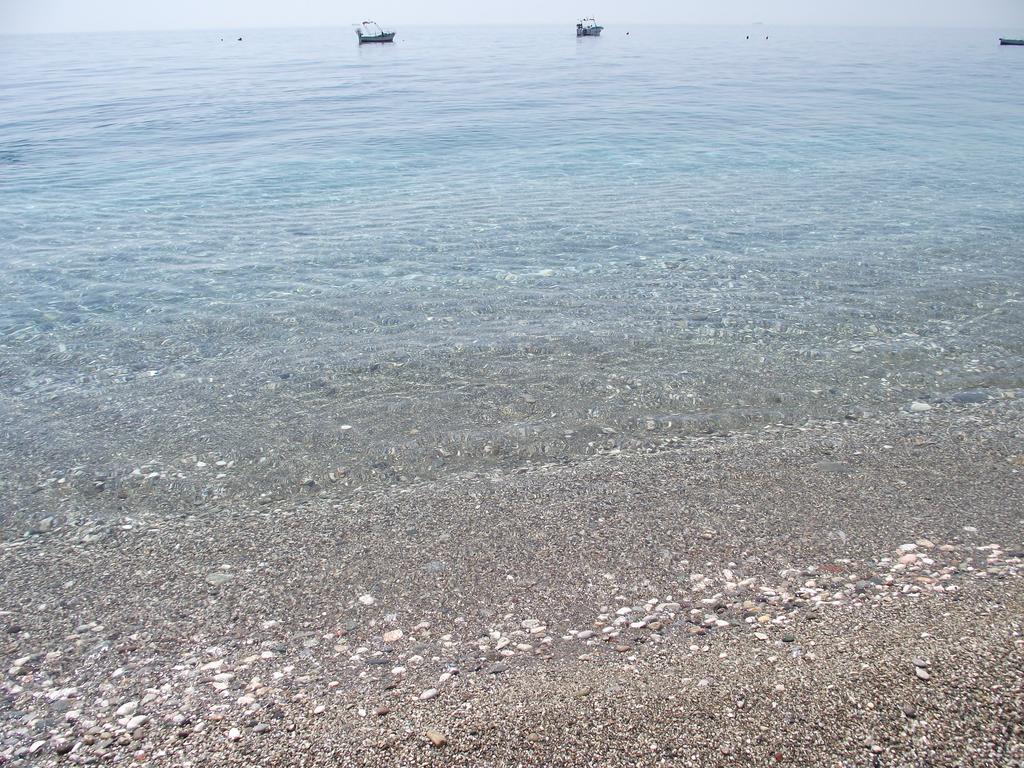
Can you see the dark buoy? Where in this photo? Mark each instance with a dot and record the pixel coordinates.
(240, 39)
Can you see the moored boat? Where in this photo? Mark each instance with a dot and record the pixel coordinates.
(588, 28)
(1010, 41)
(371, 32)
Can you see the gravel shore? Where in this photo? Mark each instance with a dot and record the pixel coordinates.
(842, 593)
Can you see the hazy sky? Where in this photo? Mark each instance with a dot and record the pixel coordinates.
(92, 15)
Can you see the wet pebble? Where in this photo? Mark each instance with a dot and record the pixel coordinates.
(973, 396)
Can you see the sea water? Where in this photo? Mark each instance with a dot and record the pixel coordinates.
(252, 266)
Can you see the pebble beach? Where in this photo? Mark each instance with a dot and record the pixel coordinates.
(838, 593)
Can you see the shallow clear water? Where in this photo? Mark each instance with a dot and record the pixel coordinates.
(486, 246)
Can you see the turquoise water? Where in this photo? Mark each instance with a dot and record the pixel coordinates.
(490, 246)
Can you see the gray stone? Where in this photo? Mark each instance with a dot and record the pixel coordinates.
(43, 526)
(835, 467)
(219, 578)
(970, 397)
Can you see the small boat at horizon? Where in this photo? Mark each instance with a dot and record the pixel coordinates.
(371, 32)
(588, 28)
(1010, 41)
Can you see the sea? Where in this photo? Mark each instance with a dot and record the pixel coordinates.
(244, 264)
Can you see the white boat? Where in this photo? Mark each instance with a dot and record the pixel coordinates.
(588, 28)
(370, 32)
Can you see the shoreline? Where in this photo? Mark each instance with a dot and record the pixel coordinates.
(847, 554)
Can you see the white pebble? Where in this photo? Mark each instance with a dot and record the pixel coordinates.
(137, 722)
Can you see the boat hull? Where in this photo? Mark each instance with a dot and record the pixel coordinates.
(388, 37)
(592, 32)
(1005, 41)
